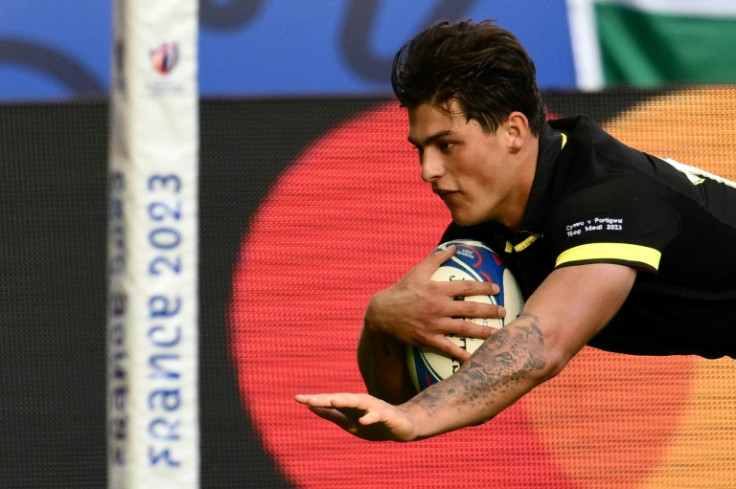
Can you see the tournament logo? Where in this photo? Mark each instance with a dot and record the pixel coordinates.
(165, 57)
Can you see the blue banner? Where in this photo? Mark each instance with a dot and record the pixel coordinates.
(51, 50)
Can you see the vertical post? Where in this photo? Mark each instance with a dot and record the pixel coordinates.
(153, 434)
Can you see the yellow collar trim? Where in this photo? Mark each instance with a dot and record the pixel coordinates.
(521, 246)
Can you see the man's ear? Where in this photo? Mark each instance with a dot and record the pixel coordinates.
(516, 127)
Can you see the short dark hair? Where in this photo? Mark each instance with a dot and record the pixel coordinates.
(481, 65)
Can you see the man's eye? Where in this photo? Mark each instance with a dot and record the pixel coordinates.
(444, 146)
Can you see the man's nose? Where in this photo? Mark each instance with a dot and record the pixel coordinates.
(432, 167)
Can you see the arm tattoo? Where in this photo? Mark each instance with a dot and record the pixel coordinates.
(502, 362)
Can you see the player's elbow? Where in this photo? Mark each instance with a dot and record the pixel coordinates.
(542, 366)
(555, 362)
(556, 357)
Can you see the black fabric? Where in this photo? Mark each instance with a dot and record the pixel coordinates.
(598, 190)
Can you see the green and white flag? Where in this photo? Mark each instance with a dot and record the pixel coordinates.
(650, 43)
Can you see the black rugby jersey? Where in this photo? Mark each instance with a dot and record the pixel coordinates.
(596, 200)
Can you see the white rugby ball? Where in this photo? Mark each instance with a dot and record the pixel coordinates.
(475, 261)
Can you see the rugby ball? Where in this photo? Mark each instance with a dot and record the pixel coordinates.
(472, 260)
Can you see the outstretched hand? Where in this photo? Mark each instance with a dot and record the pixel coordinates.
(362, 415)
(419, 311)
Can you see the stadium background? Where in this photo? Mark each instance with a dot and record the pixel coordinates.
(308, 203)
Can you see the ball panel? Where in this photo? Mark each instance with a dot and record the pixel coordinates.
(475, 261)
(513, 299)
(427, 370)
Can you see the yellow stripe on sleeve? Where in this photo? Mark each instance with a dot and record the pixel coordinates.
(611, 251)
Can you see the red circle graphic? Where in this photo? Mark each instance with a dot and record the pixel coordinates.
(348, 218)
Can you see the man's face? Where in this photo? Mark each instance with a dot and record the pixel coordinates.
(470, 170)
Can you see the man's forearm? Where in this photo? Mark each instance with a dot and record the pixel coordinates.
(508, 365)
(382, 362)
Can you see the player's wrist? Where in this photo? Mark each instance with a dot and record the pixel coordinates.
(423, 423)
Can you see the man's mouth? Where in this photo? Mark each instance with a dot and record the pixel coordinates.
(442, 193)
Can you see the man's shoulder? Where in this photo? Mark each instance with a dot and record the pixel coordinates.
(571, 123)
(578, 128)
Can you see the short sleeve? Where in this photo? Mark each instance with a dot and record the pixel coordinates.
(616, 220)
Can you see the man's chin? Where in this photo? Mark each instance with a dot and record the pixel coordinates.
(464, 222)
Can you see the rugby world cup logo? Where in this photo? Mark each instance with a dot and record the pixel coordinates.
(165, 57)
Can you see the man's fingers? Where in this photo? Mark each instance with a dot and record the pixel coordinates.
(437, 258)
(328, 400)
(467, 288)
(339, 400)
(447, 346)
(461, 327)
(458, 327)
(331, 414)
(371, 417)
(317, 400)
(471, 309)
